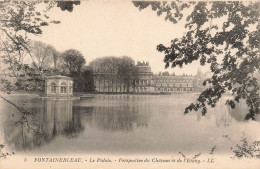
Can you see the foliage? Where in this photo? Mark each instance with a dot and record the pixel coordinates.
(4, 154)
(236, 39)
(126, 71)
(84, 81)
(165, 73)
(118, 70)
(247, 149)
(73, 61)
(45, 55)
(73, 65)
(67, 5)
(18, 19)
(26, 78)
(30, 79)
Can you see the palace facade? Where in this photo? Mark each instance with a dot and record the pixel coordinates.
(144, 82)
(173, 83)
(147, 82)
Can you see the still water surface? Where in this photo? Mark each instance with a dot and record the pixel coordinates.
(122, 124)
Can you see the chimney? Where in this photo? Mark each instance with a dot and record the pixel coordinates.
(147, 63)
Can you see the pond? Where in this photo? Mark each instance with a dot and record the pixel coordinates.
(114, 124)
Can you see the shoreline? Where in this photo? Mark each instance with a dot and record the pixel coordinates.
(79, 94)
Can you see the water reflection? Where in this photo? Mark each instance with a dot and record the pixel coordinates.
(43, 124)
(52, 118)
(225, 114)
(119, 118)
(126, 123)
(58, 118)
(222, 114)
(240, 111)
(115, 113)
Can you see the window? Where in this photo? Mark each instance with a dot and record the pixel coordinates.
(53, 88)
(70, 87)
(63, 88)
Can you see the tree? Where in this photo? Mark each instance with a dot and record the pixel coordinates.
(88, 80)
(45, 55)
(106, 69)
(236, 39)
(83, 82)
(17, 20)
(165, 73)
(127, 71)
(73, 61)
(120, 71)
(67, 5)
(73, 65)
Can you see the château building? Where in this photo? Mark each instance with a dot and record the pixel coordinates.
(173, 83)
(200, 78)
(144, 82)
(147, 82)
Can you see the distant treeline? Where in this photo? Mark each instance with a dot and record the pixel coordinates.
(47, 61)
(120, 71)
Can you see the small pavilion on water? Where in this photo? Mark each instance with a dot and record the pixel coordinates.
(59, 86)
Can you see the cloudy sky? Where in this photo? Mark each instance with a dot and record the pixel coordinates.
(114, 28)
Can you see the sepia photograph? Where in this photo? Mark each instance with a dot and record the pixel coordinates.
(110, 84)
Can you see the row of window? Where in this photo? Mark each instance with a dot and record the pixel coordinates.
(63, 88)
(173, 80)
(144, 76)
(174, 89)
(180, 85)
(143, 82)
(148, 83)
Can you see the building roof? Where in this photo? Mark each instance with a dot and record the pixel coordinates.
(58, 77)
(173, 77)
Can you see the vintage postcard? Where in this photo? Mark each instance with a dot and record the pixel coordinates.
(129, 84)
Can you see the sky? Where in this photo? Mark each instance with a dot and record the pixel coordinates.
(114, 28)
